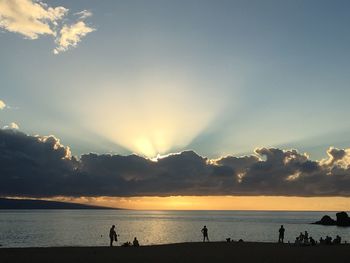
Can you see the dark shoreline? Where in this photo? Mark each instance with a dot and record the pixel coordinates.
(33, 204)
(182, 252)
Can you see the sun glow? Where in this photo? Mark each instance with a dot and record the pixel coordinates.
(145, 147)
(218, 203)
(156, 115)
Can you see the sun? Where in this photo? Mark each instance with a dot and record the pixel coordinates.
(145, 147)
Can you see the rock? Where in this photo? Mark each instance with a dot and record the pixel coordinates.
(326, 220)
(343, 219)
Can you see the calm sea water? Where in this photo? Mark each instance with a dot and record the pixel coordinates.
(41, 228)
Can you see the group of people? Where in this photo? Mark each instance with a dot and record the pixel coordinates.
(302, 239)
(328, 240)
(113, 237)
(305, 240)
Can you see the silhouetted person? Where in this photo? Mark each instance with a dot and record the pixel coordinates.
(337, 240)
(312, 241)
(205, 233)
(135, 243)
(281, 234)
(301, 237)
(328, 240)
(306, 241)
(321, 240)
(112, 235)
(126, 244)
(306, 237)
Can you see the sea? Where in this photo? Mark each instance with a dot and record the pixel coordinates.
(52, 228)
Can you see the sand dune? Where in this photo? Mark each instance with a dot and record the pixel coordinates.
(181, 253)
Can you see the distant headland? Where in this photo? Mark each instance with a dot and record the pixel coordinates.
(7, 203)
(342, 220)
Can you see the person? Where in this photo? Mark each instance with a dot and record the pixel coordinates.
(307, 241)
(321, 240)
(301, 237)
(306, 237)
(112, 236)
(312, 241)
(337, 240)
(126, 244)
(205, 233)
(135, 242)
(281, 234)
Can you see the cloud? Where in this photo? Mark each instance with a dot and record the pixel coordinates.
(12, 126)
(71, 35)
(84, 14)
(341, 157)
(2, 105)
(32, 19)
(40, 166)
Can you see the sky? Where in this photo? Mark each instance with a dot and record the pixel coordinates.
(176, 99)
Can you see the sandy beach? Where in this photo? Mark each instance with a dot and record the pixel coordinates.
(183, 252)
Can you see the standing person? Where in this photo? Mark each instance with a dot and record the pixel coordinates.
(112, 236)
(205, 233)
(281, 234)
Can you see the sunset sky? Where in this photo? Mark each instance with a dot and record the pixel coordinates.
(164, 104)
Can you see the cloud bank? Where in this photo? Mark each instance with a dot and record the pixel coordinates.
(32, 19)
(40, 166)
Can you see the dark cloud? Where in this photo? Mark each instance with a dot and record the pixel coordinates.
(335, 155)
(37, 166)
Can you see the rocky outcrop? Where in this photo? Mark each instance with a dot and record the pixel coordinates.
(342, 220)
(326, 220)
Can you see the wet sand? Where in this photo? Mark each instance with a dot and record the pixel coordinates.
(181, 253)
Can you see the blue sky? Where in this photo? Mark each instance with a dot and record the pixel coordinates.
(218, 77)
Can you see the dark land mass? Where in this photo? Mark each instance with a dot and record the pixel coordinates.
(212, 252)
(342, 220)
(6, 203)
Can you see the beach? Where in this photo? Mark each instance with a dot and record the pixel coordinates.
(182, 252)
